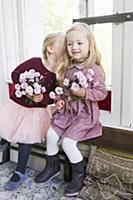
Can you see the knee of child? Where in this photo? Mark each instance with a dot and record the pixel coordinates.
(52, 135)
(65, 144)
(68, 144)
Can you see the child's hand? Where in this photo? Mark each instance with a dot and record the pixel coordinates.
(59, 104)
(36, 97)
(80, 92)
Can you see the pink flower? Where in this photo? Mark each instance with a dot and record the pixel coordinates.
(17, 86)
(75, 87)
(24, 85)
(79, 80)
(90, 75)
(84, 84)
(29, 90)
(66, 82)
(91, 72)
(52, 95)
(37, 74)
(96, 84)
(23, 92)
(18, 93)
(43, 89)
(32, 71)
(36, 85)
(30, 83)
(59, 90)
(37, 90)
(79, 75)
(23, 76)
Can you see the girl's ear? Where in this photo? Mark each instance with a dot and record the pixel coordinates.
(50, 49)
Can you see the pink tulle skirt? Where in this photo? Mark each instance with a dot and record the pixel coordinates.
(22, 124)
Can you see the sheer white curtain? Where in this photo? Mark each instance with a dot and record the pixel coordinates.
(8, 44)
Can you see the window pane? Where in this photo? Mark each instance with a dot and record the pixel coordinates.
(103, 7)
(103, 33)
(103, 36)
(58, 15)
(42, 17)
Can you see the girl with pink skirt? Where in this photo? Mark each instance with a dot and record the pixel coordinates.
(25, 117)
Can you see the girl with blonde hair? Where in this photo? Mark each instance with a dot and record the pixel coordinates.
(82, 85)
(25, 117)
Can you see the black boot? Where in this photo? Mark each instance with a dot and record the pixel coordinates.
(51, 170)
(78, 175)
(3, 145)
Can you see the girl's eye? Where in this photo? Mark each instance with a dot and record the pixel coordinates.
(79, 43)
(69, 44)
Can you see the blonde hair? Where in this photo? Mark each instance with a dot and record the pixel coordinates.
(48, 41)
(94, 56)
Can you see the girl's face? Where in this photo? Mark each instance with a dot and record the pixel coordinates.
(77, 45)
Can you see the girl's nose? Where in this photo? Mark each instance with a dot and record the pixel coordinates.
(74, 46)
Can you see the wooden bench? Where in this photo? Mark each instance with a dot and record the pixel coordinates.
(113, 139)
(38, 150)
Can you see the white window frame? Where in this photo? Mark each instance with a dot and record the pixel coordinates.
(121, 114)
(127, 79)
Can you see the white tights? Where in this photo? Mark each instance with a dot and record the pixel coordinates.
(69, 146)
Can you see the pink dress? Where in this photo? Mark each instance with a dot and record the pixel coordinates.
(23, 122)
(79, 119)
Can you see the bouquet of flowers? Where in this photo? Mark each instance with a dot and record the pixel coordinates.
(80, 80)
(30, 83)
